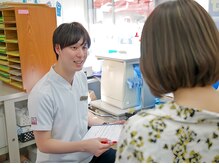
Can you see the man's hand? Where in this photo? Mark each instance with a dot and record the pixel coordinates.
(97, 146)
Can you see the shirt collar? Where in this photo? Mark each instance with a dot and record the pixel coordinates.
(59, 79)
(184, 114)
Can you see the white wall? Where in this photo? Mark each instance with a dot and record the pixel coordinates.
(72, 10)
(203, 3)
(52, 3)
(75, 10)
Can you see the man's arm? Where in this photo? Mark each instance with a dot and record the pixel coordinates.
(94, 120)
(46, 144)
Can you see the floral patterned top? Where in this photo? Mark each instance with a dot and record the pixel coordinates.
(170, 133)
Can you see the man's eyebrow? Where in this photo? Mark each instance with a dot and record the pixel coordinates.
(84, 44)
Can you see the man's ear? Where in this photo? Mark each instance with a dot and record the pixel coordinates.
(57, 49)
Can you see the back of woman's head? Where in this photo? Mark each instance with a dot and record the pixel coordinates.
(179, 47)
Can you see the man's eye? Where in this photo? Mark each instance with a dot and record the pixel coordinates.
(85, 46)
(74, 48)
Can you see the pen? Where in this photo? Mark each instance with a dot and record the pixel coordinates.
(108, 142)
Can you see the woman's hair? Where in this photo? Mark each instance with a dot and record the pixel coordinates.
(179, 47)
(69, 34)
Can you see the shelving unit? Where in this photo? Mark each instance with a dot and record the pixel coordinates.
(26, 52)
(10, 98)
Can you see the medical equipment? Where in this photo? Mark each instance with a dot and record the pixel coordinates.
(122, 86)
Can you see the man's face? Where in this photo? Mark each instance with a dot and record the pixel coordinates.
(72, 58)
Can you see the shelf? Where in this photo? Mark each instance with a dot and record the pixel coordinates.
(4, 68)
(3, 150)
(21, 35)
(10, 22)
(16, 66)
(5, 79)
(11, 40)
(10, 28)
(9, 98)
(16, 60)
(2, 26)
(15, 72)
(18, 57)
(3, 57)
(17, 84)
(4, 62)
(25, 144)
(13, 53)
(2, 35)
(4, 74)
(8, 16)
(17, 78)
(3, 51)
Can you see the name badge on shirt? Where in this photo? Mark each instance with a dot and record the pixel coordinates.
(83, 98)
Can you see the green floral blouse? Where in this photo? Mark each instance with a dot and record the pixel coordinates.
(170, 133)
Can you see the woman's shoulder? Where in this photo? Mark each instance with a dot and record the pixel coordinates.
(142, 117)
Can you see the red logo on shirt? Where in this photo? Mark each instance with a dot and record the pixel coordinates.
(33, 121)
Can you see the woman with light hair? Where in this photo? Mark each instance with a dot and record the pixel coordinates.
(179, 55)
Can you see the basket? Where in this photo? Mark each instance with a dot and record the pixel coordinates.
(24, 137)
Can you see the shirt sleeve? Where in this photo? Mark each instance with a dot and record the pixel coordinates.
(40, 110)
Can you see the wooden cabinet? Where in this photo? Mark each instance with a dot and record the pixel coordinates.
(26, 51)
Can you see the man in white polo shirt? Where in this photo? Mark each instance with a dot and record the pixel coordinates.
(58, 104)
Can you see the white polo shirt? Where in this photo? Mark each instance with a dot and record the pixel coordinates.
(55, 105)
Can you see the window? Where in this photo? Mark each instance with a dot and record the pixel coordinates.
(116, 25)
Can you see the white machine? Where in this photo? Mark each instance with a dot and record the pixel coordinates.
(114, 89)
(122, 87)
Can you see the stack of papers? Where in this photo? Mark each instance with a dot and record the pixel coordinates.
(109, 131)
